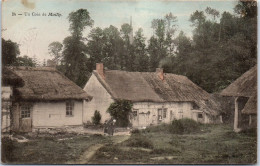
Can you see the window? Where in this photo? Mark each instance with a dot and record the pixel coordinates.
(164, 112)
(69, 108)
(135, 112)
(26, 111)
(200, 115)
(195, 106)
(181, 114)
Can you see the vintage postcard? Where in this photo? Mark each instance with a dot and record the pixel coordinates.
(129, 82)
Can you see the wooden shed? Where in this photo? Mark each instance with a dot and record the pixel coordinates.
(244, 91)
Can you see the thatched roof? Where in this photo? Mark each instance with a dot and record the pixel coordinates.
(244, 86)
(44, 83)
(147, 86)
(251, 105)
(11, 79)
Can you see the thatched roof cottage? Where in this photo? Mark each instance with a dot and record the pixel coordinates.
(244, 89)
(46, 100)
(157, 97)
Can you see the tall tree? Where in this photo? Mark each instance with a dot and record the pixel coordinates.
(212, 12)
(141, 60)
(161, 44)
(74, 53)
(128, 55)
(10, 51)
(113, 48)
(95, 47)
(55, 50)
(170, 21)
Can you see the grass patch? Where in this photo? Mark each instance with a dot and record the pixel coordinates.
(50, 150)
(139, 140)
(216, 144)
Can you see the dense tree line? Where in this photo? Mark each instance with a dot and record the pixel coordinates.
(222, 47)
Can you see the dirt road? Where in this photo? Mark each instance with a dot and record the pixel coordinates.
(90, 152)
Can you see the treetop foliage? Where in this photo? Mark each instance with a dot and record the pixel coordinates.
(222, 47)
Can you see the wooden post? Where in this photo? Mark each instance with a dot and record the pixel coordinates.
(250, 120)
(236, 129)
(220, 118)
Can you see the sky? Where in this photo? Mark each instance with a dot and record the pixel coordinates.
(34, 31)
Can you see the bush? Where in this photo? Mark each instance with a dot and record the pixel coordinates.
(120, 110)
(181, 126)
(158, 128)
(7, 149)
(96, 118)
(135, 131)
(184, 126)
(139, 140)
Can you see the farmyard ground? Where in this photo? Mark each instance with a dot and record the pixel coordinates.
(213, 144)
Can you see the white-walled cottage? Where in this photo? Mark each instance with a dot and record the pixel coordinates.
(46, 100)
(157, 97)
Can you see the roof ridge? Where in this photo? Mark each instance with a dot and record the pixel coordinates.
(144, 72)
(29, 68)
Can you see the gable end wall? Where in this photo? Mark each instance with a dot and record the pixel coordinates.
(101, 100)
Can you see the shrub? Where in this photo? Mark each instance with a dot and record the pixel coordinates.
(139, 140)
(96, 118)
(120, 110)
(158, 128)
(184, 126)
(135, 131)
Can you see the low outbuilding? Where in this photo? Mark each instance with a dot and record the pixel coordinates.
(244, 91)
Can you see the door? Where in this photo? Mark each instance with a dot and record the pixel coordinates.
(142, 120)
(25, 122)
(171, 115)
(134, 117)
(159, 116)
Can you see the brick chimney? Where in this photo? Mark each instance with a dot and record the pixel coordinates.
(159, 72)
(100, 69)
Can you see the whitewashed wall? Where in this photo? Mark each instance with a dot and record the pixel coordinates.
(146, 119)
(101, 100)
(6, 92)
(53, 114)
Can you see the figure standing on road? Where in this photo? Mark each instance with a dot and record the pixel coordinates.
(109, 126)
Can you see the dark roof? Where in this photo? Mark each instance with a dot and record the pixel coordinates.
(244, 86)
(11, 79)
(45, 83)
(251, 105)
(147, 86)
